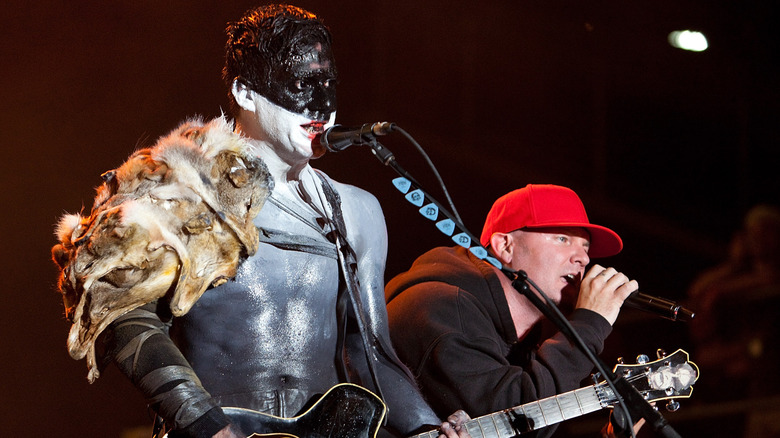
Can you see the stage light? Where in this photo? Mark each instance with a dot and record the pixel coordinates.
(688, 40)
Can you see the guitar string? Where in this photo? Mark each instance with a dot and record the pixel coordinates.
(597, 402)
(587, 405)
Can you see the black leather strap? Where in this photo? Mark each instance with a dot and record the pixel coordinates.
(348, 268)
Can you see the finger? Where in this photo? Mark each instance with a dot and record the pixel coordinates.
(604, 278)
(594, 272)
(615, 279)
(463, 433)
(447, 431)
(458, 418)
(609, 274)
(638, 425)
(628, 288)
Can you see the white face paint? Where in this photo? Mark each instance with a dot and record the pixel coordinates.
(288, 134)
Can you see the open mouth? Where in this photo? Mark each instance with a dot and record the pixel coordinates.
(573, 279)
(314, 128)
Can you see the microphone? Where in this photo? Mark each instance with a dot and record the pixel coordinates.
(660, 306)
(337, 138)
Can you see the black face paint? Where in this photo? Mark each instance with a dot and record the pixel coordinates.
(305, 82)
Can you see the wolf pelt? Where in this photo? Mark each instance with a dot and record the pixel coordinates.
(173, 220)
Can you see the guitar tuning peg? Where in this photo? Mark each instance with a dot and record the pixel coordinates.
(642, 359)
(672, 405)
(661, 353)
(620, 360)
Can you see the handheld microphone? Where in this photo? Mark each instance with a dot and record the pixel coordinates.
(337, 138)
(660, 306)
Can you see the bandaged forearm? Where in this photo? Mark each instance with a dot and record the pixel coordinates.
(183, 403)
(139, 344)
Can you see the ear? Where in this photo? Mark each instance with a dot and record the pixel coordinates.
(501, 244)
(243, 95)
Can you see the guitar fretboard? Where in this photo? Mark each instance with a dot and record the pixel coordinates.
(532, 416)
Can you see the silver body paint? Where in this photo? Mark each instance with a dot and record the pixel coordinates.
(267, 341)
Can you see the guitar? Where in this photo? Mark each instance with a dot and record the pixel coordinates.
(669, 377)
(350, 411)
(345, 411)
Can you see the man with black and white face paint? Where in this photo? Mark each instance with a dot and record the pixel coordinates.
(296, 103)
(287, 328)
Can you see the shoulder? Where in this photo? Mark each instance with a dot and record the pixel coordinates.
(441, 267)
(433, 312)
(360, 208)
(363, 218)
(424, 300)
(352, 197)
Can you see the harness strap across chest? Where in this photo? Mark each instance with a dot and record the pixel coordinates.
(297, 242)
(348, 267)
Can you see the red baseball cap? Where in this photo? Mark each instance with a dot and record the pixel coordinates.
(546, 205)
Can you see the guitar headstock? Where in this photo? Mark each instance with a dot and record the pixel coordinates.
(670, 377)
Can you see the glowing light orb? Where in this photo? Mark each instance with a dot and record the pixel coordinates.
(688, 40)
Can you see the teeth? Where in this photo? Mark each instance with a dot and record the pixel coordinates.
(313, 128)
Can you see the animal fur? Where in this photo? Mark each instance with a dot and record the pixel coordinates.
(171, 221)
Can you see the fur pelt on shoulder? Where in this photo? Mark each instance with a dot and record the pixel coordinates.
(173, 220)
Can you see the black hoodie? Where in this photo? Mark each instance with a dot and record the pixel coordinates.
(450, 323)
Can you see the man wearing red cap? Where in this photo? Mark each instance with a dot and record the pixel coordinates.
(473, 341)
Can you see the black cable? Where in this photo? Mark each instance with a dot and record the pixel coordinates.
(433, 168)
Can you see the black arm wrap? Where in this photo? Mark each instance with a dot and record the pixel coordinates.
(139, 344)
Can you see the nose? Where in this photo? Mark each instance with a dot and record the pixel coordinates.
(323, 98)
(580, 255)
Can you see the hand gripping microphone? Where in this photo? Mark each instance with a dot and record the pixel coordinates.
(337, 138)
(660, 306)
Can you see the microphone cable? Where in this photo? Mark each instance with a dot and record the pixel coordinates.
(433, 169)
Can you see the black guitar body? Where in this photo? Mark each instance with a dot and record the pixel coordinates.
(345, 411)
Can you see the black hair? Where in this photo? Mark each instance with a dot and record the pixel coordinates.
(263, 39)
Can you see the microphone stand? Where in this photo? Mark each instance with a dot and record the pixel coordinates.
(629, 399)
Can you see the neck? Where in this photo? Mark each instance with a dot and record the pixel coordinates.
(283, 170)
(524, 314)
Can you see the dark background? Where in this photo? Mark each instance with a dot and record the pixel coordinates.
(667, 147)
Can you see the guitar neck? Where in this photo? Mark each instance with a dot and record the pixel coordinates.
(532, 416)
